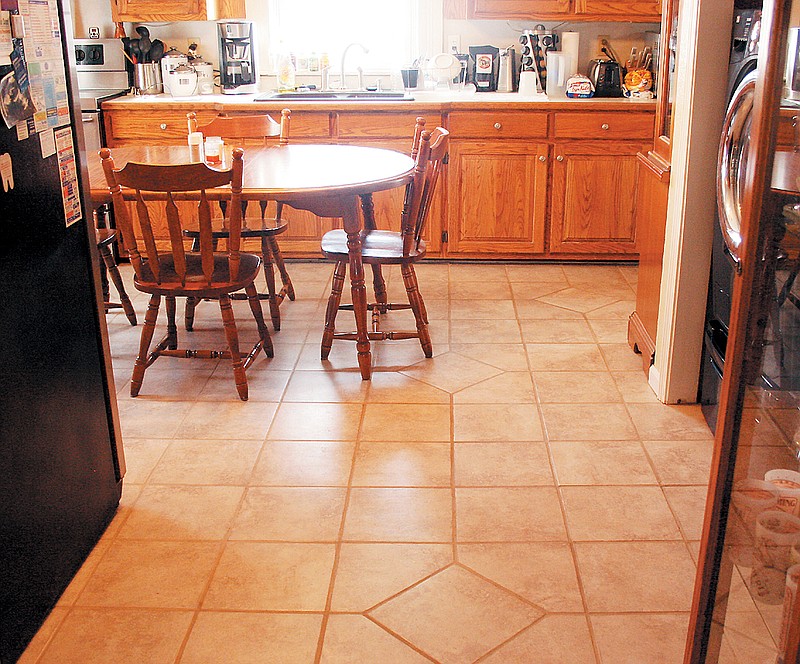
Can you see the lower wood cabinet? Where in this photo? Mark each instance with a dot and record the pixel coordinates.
(497, 192)
(593, 199)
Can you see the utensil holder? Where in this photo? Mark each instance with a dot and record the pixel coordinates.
(147, 78)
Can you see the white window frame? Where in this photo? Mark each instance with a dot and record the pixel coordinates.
(429, 37)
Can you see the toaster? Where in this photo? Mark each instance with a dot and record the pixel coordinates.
(606, 76)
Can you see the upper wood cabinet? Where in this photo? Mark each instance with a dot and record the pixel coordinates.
(176, 10)
(573, 10)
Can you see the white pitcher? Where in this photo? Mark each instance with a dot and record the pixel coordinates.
(558, 71)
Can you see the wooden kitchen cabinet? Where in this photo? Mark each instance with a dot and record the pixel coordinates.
(176, 10)
(593, 198)
(559, 10)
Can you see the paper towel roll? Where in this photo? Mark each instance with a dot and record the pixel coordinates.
(570, 44)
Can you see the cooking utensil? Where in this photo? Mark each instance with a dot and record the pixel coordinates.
(156, 50)
(632, 62)
(136, 54)
(610, 52)
(144, 42)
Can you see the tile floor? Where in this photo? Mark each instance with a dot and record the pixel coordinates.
(521, 497)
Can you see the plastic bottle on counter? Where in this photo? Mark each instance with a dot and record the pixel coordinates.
(313, 62)
(286, 80)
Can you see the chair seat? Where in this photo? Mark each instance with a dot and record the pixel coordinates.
(255, 227)
(384, 247)
(105, 236)
(196, 282)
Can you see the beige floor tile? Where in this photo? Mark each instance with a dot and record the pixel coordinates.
(316, 386)
(502, 464)
(207, 462)
(541, 572)
(130, 493)
(304, 463)
(390, 387)
(182, 513)
(522, 290)
(482, 309)
(252, 638)
(286, 357)
(235, 419)
(89, 636)
(261, 385)
(356, 639)
(455, 616)
(316, 421)
(141, 456)
(151, 575)
(290, 514)
(451, 372)
(533, 312)
(518, 514)
(587, 422)
(689, 504)
(368, 574)
(594, 276)
(565, 357)
(578, 299)
(508, 387)
(478, 290)
(539, 273)
(484, 331)
(508, 357)
(81, 578)
(557, 331)
(151, 419)
(681, 461)
(170, 384)
(620, 310)
(660, 422)
(41, 639)
(633, 387)
(610, 331)
(620, 357)
(402, 464)
(553, 639)
(480, 272)
(576, 387)
(622, 513)
(343, 355)
(656, 638)
(601, 462)
(389, 356)
(263, 576)
(496, 422)
(636, 576)
(406, 422)
(399, 515)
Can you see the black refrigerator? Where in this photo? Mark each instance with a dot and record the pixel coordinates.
(61, 461)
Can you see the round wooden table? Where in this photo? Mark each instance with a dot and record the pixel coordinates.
(327, 180)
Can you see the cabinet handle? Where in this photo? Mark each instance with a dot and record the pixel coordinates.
(604, 126)
(163, 126)
(497, 125)
(560, 157)
(542, 158)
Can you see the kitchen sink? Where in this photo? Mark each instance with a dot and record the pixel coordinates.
(339, 95)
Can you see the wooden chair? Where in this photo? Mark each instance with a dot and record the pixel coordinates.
(105, 238)
(178, 273)
(380, 247)
(238, 129)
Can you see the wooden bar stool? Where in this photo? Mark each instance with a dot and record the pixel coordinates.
(239, 129)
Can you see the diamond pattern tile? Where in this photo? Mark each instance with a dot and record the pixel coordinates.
(451, 372)
(455, 616)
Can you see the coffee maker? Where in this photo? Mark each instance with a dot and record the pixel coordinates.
(238, 72)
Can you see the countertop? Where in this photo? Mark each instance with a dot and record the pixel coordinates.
(423, 100)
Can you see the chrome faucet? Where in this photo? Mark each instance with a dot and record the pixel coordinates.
(343, 84)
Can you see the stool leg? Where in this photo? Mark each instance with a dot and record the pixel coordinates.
(379, 286)
(334, 299)
(232, 336)
(258, 315)
(418, 307)
(278, 258)
(269, 275)
(116, 277)
(144, 344)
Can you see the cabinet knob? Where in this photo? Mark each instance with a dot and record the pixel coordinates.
(560, 157)
(163, 126)
(604, 126)
(542, 158)
(497, 125)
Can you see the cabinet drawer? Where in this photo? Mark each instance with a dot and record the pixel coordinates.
(501, 124)
(384, 125)
(619, 126)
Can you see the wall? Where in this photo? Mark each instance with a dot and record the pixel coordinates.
(499, 33)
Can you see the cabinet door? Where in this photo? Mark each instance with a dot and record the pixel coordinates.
(629, 11)
(502, 9)
(593, 198)
(158, 10)
(496, 198)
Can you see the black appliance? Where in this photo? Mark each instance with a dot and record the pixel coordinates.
(743, 61)
(485, 61)
(606, 77)
(61, 463)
